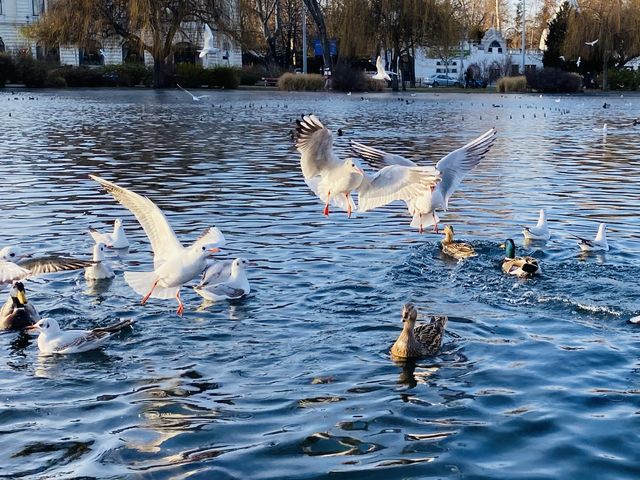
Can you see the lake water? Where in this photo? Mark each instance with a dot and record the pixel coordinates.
(537, 378)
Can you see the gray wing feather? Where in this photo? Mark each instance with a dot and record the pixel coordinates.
(52, 264)
(379, 158)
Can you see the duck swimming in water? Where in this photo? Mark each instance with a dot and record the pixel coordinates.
(454, 249)
(518, 266)
(420, 341)
(17, 313)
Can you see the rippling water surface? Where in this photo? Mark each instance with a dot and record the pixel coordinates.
(537, 378)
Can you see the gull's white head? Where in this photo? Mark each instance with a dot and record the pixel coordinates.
(353, 167)
(239, 264)
(209, 242)
(602, 233)
(98, 252)
(12, 253)
(117, 223)
(48, 326)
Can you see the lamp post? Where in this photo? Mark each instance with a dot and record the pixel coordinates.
(304, 38)
(524, 37)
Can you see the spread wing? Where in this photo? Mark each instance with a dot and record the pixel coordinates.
(99, 237)
(315, 144)
(395, 182)
(457, 164)
(162, 237)
(382, 74)
(10, 272)
(208, 38)
(53, 264)
(379, 158)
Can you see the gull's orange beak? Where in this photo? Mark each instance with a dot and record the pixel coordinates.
(214, 250)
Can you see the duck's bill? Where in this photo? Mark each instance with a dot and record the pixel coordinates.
(22, 297)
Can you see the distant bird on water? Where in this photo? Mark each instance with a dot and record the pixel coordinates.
(597, 244)
(117, 239)
(540, 231)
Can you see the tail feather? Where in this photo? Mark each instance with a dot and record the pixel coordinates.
(142, 282)
(424, 219)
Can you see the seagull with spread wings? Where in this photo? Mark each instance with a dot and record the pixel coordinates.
(208, 42)
(195, 98)
(173, 264)
(453, 168)
(333, 180)
(381, 73)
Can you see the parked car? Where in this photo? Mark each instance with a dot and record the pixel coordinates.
(477, 83)
(442, 79)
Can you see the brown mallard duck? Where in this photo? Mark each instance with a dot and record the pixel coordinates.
(518, 266)
(420, 341)
(454, 249)
(18, 313)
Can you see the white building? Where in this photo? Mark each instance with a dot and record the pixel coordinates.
(489, 59)
(16, 14)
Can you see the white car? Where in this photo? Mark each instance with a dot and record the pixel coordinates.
(442, 80)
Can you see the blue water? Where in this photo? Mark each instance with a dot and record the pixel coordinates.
(537, 378)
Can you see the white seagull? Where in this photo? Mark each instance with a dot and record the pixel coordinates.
(591, 44)
(117, 239)
(174, 265)
(208, 42)
(54, 340)
(224, 280)
(381, 73)
(333, 180)
(453, 168)
(578, 62)
(100, 270)
(195, 98)
(13, 253)
(599, 244)
(540, 231)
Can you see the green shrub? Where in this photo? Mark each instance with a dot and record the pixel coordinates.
(512, 84)
(311, 82)
(79, 76)
(190, 75)
(31, 72)
(554, 80)
(251, 76)
(222, 77)
(375, 85)
(126, 75)
(7, 68)
(623, 80)
(55, 81)
(349, 79)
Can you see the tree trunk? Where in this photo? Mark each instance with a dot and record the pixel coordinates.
(605, 73)
(160, 73)
(318, 17)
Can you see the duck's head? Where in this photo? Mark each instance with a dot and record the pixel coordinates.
(48, 326)
(409, 314)
(448, 233)
(509, 248)
(18, 294)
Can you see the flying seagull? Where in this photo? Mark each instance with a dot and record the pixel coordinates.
(591, 44)
(208, 42)
(195, 98)
(382, 74)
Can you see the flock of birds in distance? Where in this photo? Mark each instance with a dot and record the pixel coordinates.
(424, 189)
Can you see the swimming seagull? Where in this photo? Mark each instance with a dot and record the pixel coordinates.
(117, 239)
(381, 73)
(591, 44)
(54, 340)
(540, 231)
(100, 270)
(597, 244)
(224, 280)
(333, 180)
(173, 264)
(208, 42)
(195, 98)
(453, 168)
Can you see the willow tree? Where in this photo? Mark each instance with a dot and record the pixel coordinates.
(610, 27)
(150, 24)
